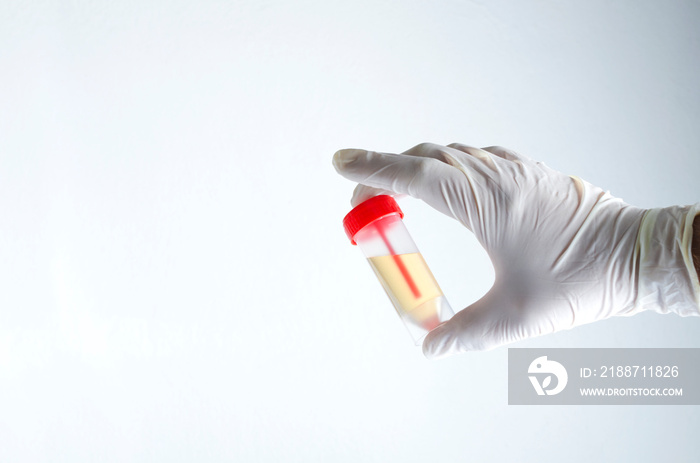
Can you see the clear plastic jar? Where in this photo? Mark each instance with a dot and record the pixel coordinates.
(376, 226)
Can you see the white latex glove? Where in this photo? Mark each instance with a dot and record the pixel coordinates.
(564, 252)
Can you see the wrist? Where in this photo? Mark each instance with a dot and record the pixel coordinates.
(667, 276)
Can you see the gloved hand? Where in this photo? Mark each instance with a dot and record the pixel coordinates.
(564, 252)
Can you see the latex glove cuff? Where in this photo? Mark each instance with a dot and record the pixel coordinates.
(668, 281)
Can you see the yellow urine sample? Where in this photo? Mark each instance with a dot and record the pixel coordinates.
(411, 286)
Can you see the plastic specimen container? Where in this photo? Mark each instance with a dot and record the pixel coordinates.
(376, 226)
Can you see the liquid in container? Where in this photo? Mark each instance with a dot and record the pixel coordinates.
(376, 226)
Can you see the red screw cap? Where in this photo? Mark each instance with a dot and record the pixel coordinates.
(367, 212)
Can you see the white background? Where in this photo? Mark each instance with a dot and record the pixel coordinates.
(175, 283)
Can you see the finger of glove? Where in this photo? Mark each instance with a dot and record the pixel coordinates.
(486, 157)
(453, 157)
(363, 193)
(423, 177)
(498, 151)
(475, 162)
(479, 327)
(508, 155)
